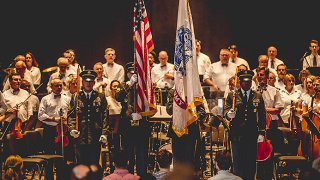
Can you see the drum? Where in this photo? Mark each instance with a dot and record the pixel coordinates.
(161, 96)
(160, 130)
(158, 136)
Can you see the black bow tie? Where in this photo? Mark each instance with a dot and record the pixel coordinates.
(162, 66)
(110, 64)
(261, 88)
(226, 65)
(57, 95)
(61, 76)
(15, 92)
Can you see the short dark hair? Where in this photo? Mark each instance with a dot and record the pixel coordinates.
(113, 81)
(265, 69)
(153, 54)
(120, 159)
(164, 158)
(13, 74)
(223, 159)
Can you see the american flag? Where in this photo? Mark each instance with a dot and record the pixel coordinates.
(143, 44)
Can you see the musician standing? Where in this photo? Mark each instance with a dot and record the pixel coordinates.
(312, 60)
(162, 73)
(53, 109)
(246, 119)
(271, 95)
(62, 74)
(273, 104)
(92, 120)
(16, 100)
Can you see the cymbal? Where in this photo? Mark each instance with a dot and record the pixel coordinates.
(8, 70)
(50, 69)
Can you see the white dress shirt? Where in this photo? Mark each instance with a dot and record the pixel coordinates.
(63, 79)
(279, 84)
(72, 69)
(27, 76)
(98, 85)
(272, 99)
(158, 72)
(113, 72)
(308, 61)
(276, 63)
(50, 107)
(220, 74)
(114, 106)
(203, 63)
(35, 75)
(12, 99)
(3, 105)
(238, 61)
(287, 97)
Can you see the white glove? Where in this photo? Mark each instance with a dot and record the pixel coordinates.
(103, 139)
(75, 133)
(260, 138)
(231, 114)
(136, 116)
(133, 79)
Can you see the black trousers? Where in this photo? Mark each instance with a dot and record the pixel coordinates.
(50, 147)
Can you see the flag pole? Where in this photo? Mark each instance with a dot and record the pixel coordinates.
(134, 69)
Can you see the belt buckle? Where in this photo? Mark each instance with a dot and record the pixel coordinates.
(135, 122)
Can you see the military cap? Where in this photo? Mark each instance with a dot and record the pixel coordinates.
(245, 75)
(130, 67)
(88, 75)
(233, 46)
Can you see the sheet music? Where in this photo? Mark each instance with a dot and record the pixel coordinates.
(161, 113)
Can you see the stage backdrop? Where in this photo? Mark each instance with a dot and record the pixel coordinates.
(47, 29)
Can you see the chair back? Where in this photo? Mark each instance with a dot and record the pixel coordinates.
(30, 144)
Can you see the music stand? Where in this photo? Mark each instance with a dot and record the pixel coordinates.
(314, 70)
(314, 131)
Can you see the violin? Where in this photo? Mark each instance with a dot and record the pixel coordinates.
(62, 129)
(17, 130)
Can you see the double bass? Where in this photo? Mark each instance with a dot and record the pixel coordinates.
(310, 142)
(310, 145)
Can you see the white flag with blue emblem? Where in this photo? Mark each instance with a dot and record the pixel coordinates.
(188, 92)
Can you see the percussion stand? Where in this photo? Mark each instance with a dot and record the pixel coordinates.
(158, 145)
(211, 150)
